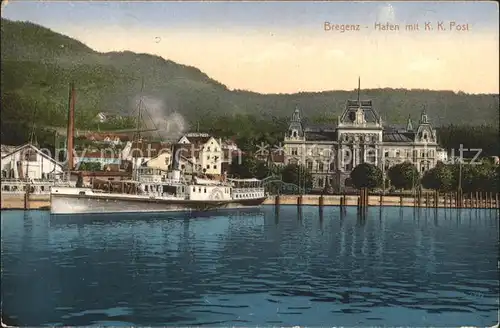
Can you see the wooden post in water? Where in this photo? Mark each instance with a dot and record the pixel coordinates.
(27, 197)
(381, 200)
(277, 201)
(299, 201)
(400, 200)
(321, 202)
(436, 199)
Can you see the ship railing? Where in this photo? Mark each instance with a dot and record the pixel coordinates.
(247, 190)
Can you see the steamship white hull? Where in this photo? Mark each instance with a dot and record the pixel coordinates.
(82, 201)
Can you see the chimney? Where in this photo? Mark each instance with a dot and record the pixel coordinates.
(176, 154)
(71, 127)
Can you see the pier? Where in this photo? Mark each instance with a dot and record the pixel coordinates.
(364, 199)
(484, 200)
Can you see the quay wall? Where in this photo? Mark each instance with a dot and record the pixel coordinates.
(380, 200)
(20, 201)
(37, 201)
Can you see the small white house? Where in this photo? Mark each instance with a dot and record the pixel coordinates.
(27, 160)
(207, 151)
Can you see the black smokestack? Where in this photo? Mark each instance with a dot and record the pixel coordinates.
(176, 155)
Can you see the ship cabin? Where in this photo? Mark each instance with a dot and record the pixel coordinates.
(209, 191)
(160, 183)
(247, 188)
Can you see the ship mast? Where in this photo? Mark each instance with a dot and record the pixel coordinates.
(137, 135)
(32, 137)
(71, 129)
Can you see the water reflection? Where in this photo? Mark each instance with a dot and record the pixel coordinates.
(261, 267)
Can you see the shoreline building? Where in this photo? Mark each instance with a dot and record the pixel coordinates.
(331, 152)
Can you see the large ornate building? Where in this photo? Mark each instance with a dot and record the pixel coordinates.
(332, 152)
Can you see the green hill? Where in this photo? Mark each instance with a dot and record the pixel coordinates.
(38, 65)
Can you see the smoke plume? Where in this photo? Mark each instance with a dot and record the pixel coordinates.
(156, 114)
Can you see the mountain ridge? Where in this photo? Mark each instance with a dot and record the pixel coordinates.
(38, 64)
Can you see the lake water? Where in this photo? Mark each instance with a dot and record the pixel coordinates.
(258, 267)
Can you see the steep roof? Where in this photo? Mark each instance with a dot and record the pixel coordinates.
(397, 137)
(38, 151)
(370, 114)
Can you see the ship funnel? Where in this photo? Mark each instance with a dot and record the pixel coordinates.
(176, 156)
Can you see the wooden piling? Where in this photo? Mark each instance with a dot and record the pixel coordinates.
(321, 201)
(299, 201)
(27, 199)
(277, 201)
(401, 201)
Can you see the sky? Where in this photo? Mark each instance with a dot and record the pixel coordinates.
(288, 47)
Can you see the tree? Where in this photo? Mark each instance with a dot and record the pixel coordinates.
(404, 176)
(246, 167)
(297, 175)
(439, 178)
(89, 166)
(366, 176)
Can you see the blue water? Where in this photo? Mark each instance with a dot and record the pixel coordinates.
(395, 268)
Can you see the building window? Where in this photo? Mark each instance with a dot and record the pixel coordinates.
(215, 167)
(30, 155)
(295, 151)
(398, 154)
(205, 190)
(321, 166)
(309, 165)
(320, 182)
(208, 166)
(332, 166)
(386, 153)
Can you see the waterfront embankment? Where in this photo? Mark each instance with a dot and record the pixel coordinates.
(476, 200)
(20, 201)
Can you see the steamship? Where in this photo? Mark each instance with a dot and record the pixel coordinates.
(153, 190)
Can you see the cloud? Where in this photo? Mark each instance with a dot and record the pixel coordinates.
(386, 13)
